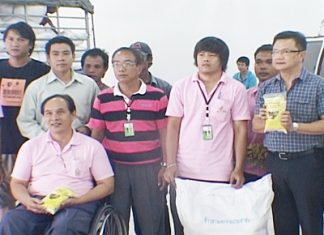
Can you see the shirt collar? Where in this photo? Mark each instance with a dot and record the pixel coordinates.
(75, 77)
(153, 80)
(73, 141)
(141, 90)
(302, 76)
(223, 79)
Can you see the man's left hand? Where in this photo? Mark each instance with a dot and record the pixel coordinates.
(237, 178)
(161, 181)
(286, 120)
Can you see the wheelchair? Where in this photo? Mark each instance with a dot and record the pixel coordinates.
(107, 221)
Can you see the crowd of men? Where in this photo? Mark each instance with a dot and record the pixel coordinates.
(129, 142)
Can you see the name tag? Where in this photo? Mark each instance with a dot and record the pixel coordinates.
(129, 129)
(207, 132)
(12, 92)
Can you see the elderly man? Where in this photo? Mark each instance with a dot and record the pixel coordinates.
(59, 158)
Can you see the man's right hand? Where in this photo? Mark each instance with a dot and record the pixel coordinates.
(263, 113)
(170, 173)
(35, 205)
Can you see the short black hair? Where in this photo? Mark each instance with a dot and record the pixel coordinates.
(214, 45)
(68, 100)
(139, 58)
(59, 39)
(298, 37)
(264, 47)
(94, 53)
(24, 30)
(244, 59)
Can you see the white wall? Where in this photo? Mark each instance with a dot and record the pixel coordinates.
(172, 27)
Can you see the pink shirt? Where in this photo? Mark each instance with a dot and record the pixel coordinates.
(207, 159)
(253, 166)
(41, 162)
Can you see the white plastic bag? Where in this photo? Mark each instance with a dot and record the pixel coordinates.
(219, 209)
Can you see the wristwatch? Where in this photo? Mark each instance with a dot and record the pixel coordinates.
(295, 126)
(163, 164)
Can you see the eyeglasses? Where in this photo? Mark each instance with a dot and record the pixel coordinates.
(285, 51)
(125, 65)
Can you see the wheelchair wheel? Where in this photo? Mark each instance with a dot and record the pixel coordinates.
(107, 221)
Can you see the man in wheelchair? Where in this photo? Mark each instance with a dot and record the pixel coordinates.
(59, 158)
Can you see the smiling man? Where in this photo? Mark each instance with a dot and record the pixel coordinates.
(59, 158)
(61, 79)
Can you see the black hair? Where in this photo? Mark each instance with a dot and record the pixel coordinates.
(25, 31)
(94, 53)
(214, 45)
(298, 37)
(139, 59)
(68, 100)
(59, 39)
(243, 59)
(264, 47)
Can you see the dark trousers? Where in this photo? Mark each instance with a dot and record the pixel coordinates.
(167, 219)
(137, 187)
(298, 184)
(75, 220)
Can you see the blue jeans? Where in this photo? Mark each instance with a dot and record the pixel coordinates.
(75, 220)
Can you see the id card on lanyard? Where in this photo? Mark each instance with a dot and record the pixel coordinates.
(207, 127)
(128, 125)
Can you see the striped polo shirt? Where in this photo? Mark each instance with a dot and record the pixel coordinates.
(147, 110)
(305, 102)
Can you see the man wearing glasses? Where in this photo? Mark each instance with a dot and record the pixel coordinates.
(129, 119)
(295, 158)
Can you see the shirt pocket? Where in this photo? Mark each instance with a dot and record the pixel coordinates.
(219, 110)
(303, 108)
(78, 168)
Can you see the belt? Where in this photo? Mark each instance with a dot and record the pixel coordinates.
(292, 155)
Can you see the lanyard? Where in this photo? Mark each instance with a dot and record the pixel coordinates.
(211, 97)
(128, 109)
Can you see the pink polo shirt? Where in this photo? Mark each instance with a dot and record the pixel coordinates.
(253, 166)
(207, 159)
(41, 162)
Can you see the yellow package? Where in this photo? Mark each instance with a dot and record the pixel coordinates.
(55, 199)
(275, 104)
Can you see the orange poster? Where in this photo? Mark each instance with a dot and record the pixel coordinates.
(12, 91)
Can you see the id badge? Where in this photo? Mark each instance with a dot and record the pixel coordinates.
(129, 129)
(207, 132)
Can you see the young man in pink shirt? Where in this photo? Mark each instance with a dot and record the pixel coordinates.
(256, 153)
(59, 158)
(207, 124)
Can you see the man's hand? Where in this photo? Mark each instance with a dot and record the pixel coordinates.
(35, 205)
(170, 173)
(84, 130)
(286, 120)
(237, 178)
(161, 180)
(70, 202)
(263, 113)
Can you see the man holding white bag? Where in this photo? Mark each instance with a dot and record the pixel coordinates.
(207, 124)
